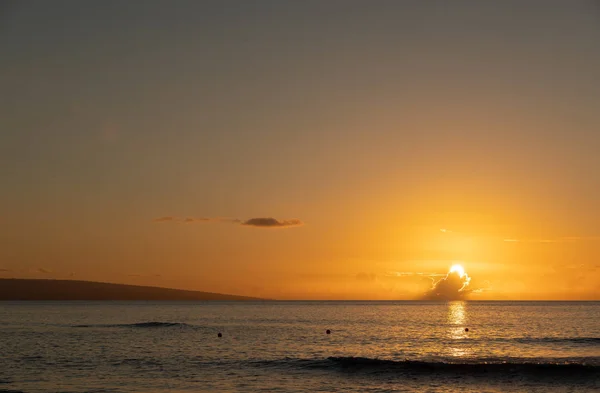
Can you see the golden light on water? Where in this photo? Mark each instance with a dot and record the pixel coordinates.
(456, 320)
(457, 314)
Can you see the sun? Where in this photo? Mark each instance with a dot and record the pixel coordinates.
(458, 269)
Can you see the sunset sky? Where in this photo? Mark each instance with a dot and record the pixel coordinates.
(303, 150)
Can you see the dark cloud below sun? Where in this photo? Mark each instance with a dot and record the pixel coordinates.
(454, 286)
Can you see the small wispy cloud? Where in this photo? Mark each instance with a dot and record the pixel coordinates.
(195, 219)
(192, 220)
(413, 274)
(270, 222)
(259, 222)
(165, 219)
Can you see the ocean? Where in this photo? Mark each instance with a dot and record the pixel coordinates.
(284, 346)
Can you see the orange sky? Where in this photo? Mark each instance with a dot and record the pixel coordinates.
(309, 150)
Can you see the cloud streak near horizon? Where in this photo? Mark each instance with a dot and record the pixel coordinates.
(258, 222)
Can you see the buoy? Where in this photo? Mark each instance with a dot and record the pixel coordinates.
(328, 331)
(219, 335)
(466, 329)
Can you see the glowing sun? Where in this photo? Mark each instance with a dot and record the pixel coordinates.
(458, 269)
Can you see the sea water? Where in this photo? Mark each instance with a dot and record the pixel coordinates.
(283, 346)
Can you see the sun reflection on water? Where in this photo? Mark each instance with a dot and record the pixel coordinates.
(456, 321)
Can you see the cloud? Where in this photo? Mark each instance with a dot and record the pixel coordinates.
(260, 222)
(191, 220)
(451, 287)
(42, 270)
(165, 219)
(194, 219)
(270, 222)
(487, 286)
(414, 274)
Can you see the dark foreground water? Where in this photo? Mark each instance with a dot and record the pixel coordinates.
(283, 347)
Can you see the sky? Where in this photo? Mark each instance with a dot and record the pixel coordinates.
(304, 150)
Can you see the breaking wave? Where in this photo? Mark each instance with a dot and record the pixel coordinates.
(480, 366)
(559, 340)
(582, 367)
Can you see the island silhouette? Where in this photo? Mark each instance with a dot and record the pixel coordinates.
(44, 289)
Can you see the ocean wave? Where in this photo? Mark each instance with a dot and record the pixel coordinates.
(153, 324)
(554, 367)
(472, 367)
(558, 340)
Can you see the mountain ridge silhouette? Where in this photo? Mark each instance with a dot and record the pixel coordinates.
(48, 289)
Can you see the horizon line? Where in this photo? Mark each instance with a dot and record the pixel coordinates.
(265, 299)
